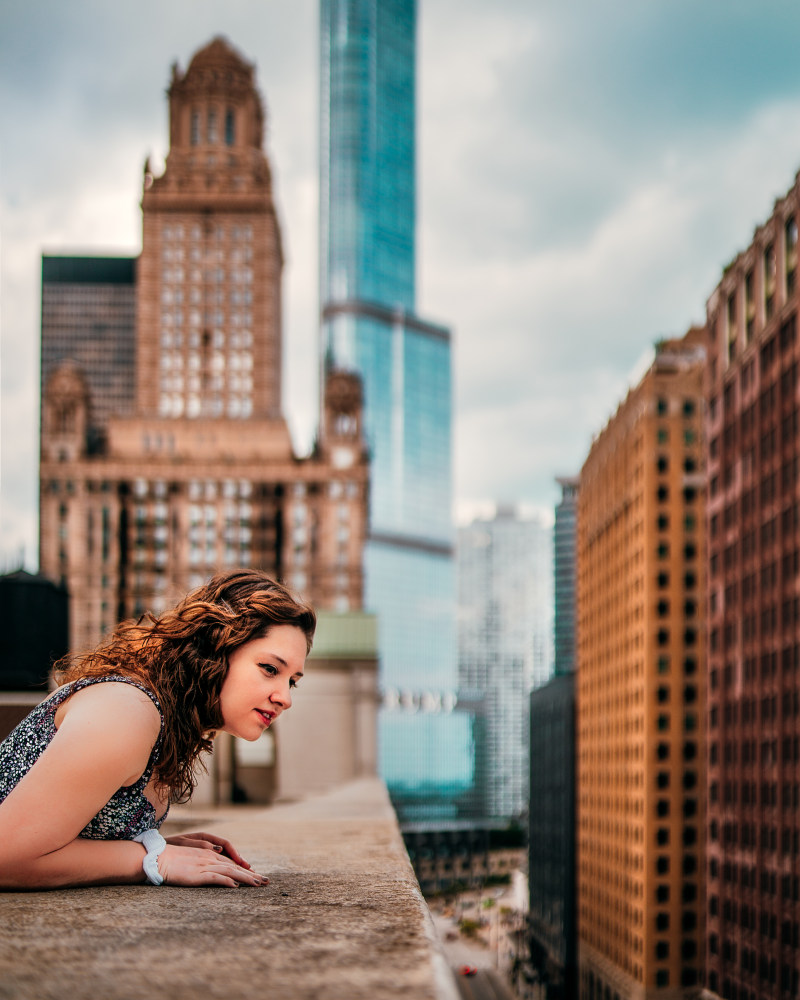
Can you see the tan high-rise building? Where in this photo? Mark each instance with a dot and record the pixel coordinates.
(640, 688)
(203, 475)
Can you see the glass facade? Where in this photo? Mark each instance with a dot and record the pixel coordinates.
(564, 541)
(367, 292)
(367, 182)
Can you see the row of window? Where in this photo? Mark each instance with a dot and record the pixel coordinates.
(768, 274)
(204, 127)
(174, 316)
(216, 339)
(176, 232)
(172, 279)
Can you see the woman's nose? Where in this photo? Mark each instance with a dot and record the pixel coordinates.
(282, 695)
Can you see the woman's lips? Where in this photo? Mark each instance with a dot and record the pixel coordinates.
(266, 717)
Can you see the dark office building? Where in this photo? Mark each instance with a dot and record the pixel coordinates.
(753, 895)
(34, 632)
(551, 864)
(89, 318)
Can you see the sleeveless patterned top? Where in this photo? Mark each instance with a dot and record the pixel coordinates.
(128, 812)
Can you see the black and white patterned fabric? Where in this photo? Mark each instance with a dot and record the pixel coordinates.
(129, 812)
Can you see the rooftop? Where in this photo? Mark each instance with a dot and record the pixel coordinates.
(342, 918)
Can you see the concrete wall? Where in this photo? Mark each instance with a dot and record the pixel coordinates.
(342, 918)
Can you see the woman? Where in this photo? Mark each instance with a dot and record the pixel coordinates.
(86, 779)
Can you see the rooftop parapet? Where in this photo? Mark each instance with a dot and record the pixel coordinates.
(342, 918)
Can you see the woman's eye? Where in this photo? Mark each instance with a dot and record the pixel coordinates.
(269, 669)
(292, 683)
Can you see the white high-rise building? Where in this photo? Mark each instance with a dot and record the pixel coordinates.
(505, 628)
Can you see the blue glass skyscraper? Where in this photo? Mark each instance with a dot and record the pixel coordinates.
(369, 325)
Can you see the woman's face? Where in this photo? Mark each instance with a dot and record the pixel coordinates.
(259, 682)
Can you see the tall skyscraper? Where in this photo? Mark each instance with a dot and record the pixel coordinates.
(504, 643)
(565, 566)
(194, 470)
(640, 688)
(753, 911)
(551, 825)
(369, 326)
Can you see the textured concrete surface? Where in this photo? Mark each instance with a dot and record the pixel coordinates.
(342, 918)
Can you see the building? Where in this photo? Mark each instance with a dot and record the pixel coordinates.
(551, 837)
(194, 470)
(640, 688)
(34, 633)
(369, 326)
(89, 317)
(342, 669)
(565, 566)
(551, 825)
(753, 939)
(504, 643)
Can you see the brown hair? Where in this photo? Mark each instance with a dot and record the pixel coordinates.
(183, 657)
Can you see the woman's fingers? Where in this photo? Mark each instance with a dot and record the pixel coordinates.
(187, 865)
(193, 840)
(217, 843)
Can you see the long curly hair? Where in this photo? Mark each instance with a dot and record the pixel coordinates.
(182, 656)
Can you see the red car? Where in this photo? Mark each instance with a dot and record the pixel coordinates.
(468, 970)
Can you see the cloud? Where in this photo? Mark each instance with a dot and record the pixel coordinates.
(585, 171)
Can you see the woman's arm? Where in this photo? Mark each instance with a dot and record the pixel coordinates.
(103, 742)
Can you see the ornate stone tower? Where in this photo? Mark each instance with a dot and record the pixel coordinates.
(202, 476)
(209, 317)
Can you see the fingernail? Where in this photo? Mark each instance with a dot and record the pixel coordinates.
(217, 848)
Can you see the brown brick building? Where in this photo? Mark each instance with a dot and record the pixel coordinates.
(135, 508)
(753, 940)
(639, 714)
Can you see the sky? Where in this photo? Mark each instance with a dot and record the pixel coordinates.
(584, 173)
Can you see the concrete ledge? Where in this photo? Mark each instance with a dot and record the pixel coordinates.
(343, 917)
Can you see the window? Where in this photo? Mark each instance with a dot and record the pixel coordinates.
(212, 136)
(769, 281)
(230, 127)
(790, 232)
(749, 305)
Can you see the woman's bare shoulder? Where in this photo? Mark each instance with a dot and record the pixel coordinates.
(114, 700)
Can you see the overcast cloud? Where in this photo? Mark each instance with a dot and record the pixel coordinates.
(584, 173)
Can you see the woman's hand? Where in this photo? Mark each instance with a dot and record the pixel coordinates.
(192, 865)
(211, 842)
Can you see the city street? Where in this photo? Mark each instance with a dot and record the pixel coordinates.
(488, 983)
(484, 985)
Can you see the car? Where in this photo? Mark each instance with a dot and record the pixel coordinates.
(468, 970)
